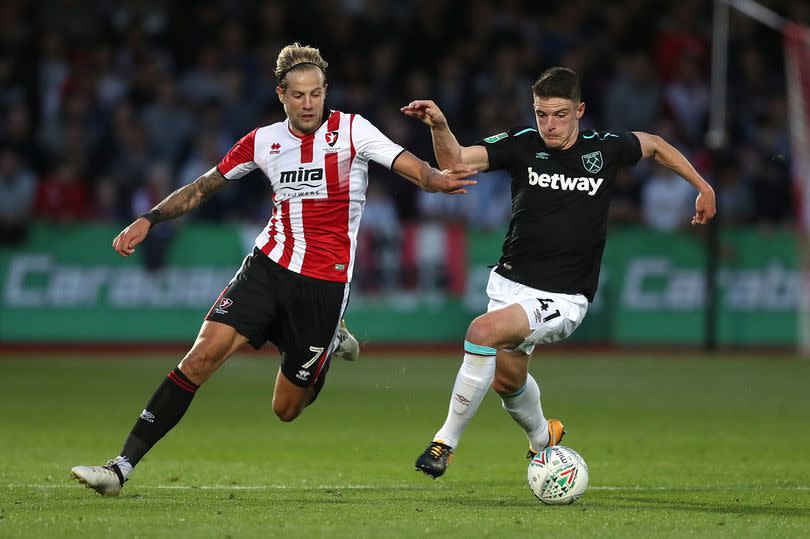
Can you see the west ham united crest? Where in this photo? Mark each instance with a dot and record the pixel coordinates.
(331, 138)
(592, 162)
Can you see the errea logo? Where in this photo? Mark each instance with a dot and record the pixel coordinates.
(565, 183)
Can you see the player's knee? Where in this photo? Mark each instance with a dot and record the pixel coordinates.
(483, 332)
(286, 413)
(287, 409)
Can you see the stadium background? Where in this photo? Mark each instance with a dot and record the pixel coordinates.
(110, 107)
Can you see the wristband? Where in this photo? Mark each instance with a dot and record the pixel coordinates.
(153, 216)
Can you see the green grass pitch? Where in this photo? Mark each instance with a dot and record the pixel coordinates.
(677, 446)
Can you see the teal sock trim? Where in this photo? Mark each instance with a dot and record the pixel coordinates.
(516, 393)
(479, 350)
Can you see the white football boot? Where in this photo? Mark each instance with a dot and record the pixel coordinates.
(348, 348)
(102, 479)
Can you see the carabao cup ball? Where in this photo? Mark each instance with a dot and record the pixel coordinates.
(558, 475)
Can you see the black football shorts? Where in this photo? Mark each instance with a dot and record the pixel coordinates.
(299, 314)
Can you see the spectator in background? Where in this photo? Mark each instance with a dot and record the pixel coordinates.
(633, 97)
(239, 114)
(53, 70)
(106, 206)
(62, 194)
(18, 134)
(204, 82)
(771, 190)
(687, 98)
(168, 122)
(78, 127)
(680, 36)
(131, 151)
(379, 252)
(205, 151)
(666, 201)
(735, 199)
(67, 69)
(17, 188)
(625, 200)
(112, 83)
(157, 187)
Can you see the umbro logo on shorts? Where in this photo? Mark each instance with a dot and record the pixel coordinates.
(222, 308)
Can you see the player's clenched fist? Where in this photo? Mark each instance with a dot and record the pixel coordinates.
(426, 111)
(125, 242)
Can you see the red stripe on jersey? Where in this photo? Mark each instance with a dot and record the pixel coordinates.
(241, 153)
(271, 230)
(306, 148)
(286, 230)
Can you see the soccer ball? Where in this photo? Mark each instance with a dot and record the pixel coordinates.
(558, 475)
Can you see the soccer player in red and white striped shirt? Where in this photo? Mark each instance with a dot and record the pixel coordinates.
(294, 287)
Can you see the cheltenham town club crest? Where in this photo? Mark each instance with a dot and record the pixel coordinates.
(331, 137)
(592, 162)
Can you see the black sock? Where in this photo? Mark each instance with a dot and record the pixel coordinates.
(165, 408)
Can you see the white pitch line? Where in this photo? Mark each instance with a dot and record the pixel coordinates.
(632, 488)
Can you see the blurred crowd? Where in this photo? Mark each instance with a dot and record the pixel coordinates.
(108, 107)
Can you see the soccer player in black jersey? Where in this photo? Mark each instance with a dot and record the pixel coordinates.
(549, 270)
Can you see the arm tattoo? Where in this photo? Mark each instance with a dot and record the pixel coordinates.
(190, 196)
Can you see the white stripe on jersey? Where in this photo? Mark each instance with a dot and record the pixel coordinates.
(278, 237)
(240, 170)
(358, 183)
(297, 233)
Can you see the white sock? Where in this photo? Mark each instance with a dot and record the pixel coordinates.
(472, 382)
(123, 465)
(524, 407)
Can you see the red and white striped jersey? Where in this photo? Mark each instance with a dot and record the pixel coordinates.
(319, 184)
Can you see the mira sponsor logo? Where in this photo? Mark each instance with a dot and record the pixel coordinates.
(565, 183)
(303, 175)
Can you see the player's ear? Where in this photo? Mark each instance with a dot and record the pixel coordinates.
(280, 93)
(580, 109)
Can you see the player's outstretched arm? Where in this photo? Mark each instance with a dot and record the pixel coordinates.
(448, 151)
(668, 156)
(176, 204)
(451, 181)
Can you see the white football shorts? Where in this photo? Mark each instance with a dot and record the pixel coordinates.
(552, 316)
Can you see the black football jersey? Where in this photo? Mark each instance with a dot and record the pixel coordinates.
(560, 202)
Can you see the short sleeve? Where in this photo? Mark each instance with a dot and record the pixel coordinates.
(371, 144)
(239, 159)
(500, 147)
(628, 148)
